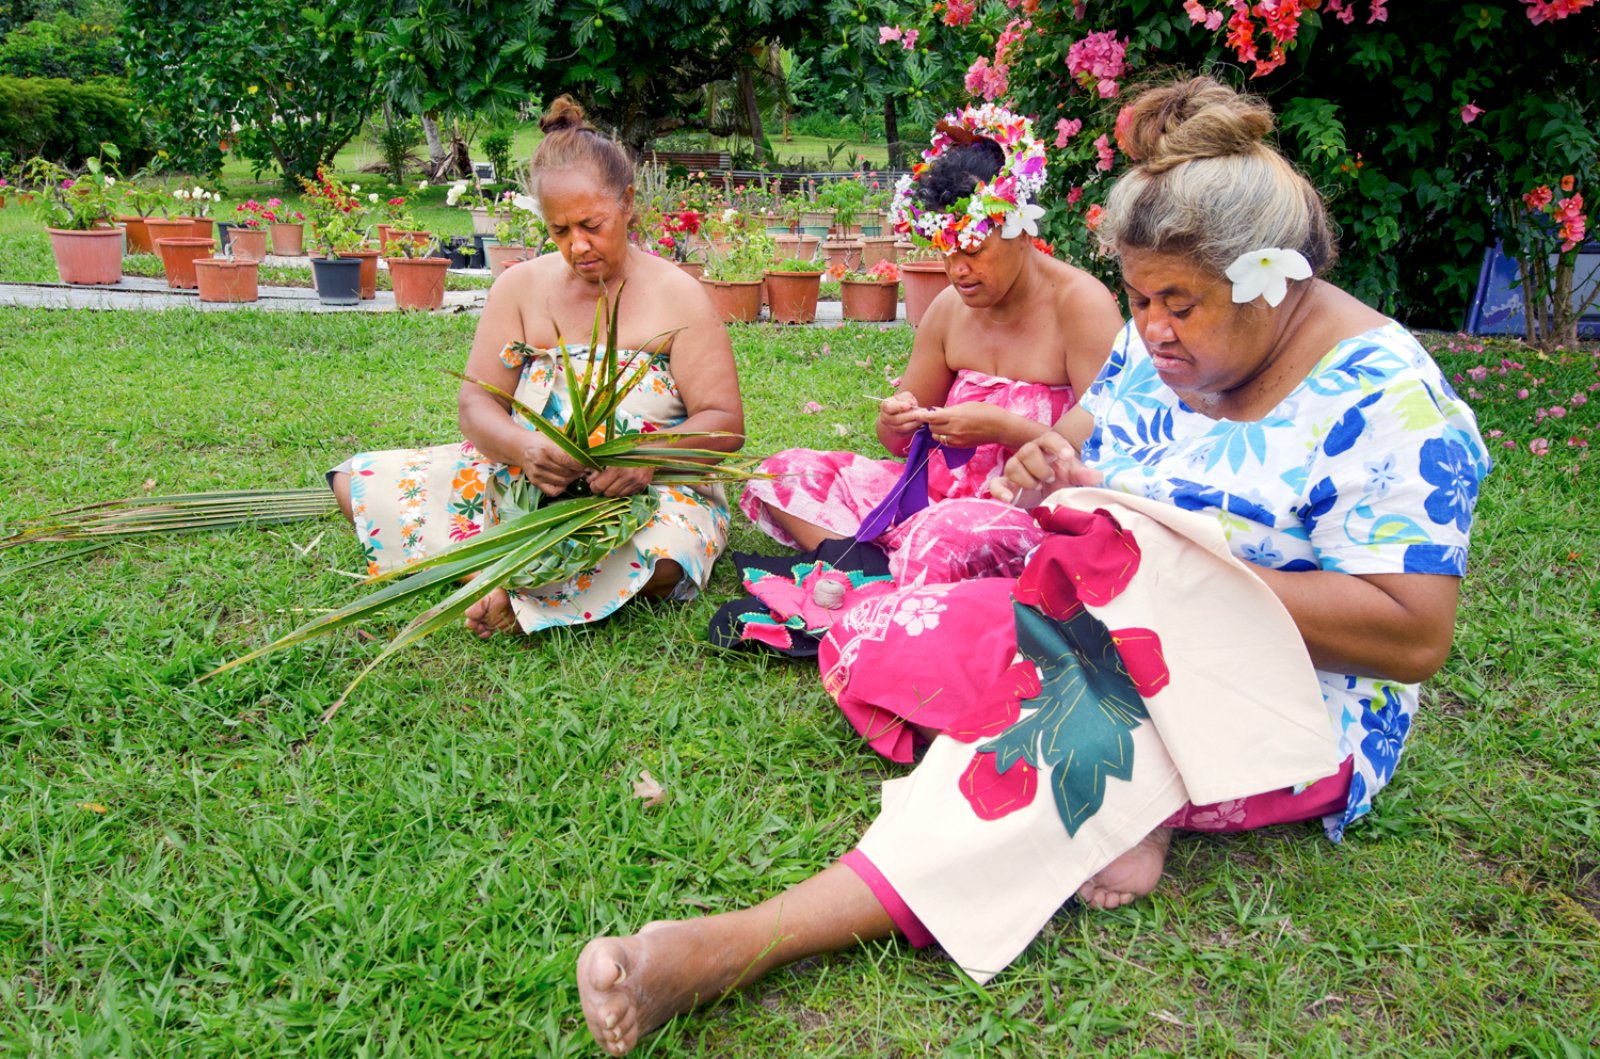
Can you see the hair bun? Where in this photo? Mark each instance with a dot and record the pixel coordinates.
(564, 113)
(1197, 118)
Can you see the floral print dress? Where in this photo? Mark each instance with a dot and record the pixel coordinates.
(1370, 466)
(410, 503)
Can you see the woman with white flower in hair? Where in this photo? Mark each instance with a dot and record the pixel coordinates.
(1249, 567)
(409, 503)
(1000, 355)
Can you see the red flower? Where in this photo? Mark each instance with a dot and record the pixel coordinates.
(1141, 654)
(994, 715)
(993, 795)
(1088, 558)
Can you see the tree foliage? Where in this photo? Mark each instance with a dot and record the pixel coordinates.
(276, 80)
(71, 44)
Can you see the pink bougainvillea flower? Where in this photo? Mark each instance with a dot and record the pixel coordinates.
(1066, 129)
(909, 41)
(1107, 153)
(1508, 444)
(1478, 374)
(959, 12)
(993, 795)
(1577, 443)
(1522, 395)
(1538, 198)
(1470, 112)
(1074, 196)
(1496, 433)
(888, 33)
(1093, 215)
(1567, 182)
(1538, 446)
(1197, 14)
(1380, 12)
(1557, 412)
(1578, 400)
(811, 408)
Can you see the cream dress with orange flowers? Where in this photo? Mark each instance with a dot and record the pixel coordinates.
(411, 503)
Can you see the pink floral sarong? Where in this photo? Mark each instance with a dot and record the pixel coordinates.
(836, 490)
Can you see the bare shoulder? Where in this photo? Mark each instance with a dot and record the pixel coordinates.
(1078, 291)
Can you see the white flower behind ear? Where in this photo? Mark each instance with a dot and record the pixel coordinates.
(1024, 218)
(1266, 273)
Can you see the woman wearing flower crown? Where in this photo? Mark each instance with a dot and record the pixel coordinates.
(1228, 634)
(999, 356)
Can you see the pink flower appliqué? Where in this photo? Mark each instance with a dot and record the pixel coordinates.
(993, 715)
(993, 795)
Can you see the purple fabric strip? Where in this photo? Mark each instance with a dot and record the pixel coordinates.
(910, 491)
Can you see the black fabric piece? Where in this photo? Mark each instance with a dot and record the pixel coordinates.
(849, 556)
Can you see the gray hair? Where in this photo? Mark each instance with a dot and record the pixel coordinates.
(1206, 184)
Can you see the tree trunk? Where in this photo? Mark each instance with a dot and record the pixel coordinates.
(752, 111)
(891, 130)
(430, 129)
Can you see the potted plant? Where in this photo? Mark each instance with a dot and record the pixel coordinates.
(287, 228)
(417, 272)
(195, 203)
(247, 235)
(519, 234)
(843, 252)
(871, 295)
(845, 199)
(339, 227)
(336, 275)
(792, 289)
(472, 199)
(734, 277)
(922, 271)
(227, 278)
(77, 213)
(140, 202)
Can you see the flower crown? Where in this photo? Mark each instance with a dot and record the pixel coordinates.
(1006, 202)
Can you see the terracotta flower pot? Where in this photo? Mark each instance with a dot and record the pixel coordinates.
(178, 257)
(222, 280)
(793, 296)
(694, 268)
(369, 271)
(736, 302)
(924, 280)
(796, 247)
(138, 234)
(158, 228)
(383, 236)
(288, 240)
(482, 223)
(202, 228)
(420, 239)
(503, 257)
(92, 257)
(876, 248)
(418, 281)
(869, 300)
(249, 244)
(846, 252)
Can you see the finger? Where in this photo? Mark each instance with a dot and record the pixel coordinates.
(1001, 490)
(1030, 468)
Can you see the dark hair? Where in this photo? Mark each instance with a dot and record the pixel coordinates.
(954, 174)
(570, 142)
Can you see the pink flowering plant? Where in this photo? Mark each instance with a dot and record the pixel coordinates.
(1419, 122)
(77, 202)
(1549, 226)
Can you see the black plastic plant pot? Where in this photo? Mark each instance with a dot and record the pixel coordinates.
(453, 250)
(338, 280)
(224, 231)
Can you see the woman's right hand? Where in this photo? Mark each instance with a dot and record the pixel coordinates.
(1045, 464)
(899, 414)
(546, 466)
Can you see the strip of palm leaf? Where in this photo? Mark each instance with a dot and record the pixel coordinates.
(139, 516)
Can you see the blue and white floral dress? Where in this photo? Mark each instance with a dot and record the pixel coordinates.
(1370, 466)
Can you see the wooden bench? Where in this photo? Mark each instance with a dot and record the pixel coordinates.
(693, 161)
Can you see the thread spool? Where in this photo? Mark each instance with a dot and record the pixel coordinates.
(828, 595)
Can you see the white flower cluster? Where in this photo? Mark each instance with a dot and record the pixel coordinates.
(453, 196)
(197, 194)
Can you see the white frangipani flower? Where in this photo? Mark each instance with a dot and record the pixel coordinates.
(525, 203)
(1025, 218)
(373, 198)
(1266, 273)
(354, 188)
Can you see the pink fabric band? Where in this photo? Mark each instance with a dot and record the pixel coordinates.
(905, 920)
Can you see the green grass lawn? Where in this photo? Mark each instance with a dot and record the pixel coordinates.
(204, 870)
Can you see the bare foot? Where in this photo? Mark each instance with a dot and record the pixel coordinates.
(630, 986)
(492, 614)
(1131, 875)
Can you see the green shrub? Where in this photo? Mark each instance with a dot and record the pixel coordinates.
(497, 147)
(64, 45)
(66, 122)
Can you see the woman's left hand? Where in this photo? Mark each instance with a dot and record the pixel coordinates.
(964, 425)
(619, 481)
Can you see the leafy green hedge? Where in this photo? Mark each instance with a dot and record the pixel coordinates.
(66, 122)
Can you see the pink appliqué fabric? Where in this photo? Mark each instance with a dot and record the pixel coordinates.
(836, 490)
